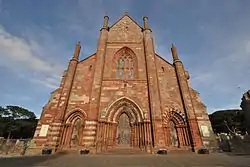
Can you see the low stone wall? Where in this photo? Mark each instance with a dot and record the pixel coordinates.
(13, 146)
(235, 144)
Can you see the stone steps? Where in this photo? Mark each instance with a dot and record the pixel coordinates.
(175, 150)
(123, 151)
(127, 151)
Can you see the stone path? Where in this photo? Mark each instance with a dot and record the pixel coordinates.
(171, 160)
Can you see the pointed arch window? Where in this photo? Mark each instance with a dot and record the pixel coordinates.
(125, 67)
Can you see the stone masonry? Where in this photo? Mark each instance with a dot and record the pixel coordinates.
(124, 76)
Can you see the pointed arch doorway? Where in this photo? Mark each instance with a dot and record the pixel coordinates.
(124, 125)
(73, 130)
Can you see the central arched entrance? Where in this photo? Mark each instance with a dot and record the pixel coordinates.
(124, 125)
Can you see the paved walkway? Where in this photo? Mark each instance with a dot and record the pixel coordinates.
(171, 160)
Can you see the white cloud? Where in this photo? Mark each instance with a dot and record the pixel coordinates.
(20, 97)
(19, 52)
(22, 56)
(48, 82)
(226, 72)
(224, 79)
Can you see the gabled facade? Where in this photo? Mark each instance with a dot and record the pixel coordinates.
(124, 95)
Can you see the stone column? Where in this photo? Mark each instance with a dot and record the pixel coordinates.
(65, 89)
(105, 134)
(98, 135)
(179, 132)
(109, 134)
(112, 134)
(146, 133)
(153, 85)
(101, 131)
(140, 136)
(185, 140)
(150, 133)
(65, 138)
(98, 71)
(135, 136)
(168, 143)
(187, 136)
(115, 131)
(132, 137)
(182, 78)
(70, 135)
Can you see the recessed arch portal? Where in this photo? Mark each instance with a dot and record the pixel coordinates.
(122, 105)
(123, 124)
(77, 112)
(74, 126)
(175, 127)
(175, 116)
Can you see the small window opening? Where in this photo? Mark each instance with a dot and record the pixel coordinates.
(90, 67)
(162, 68)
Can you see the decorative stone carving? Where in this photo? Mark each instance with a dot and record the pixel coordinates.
(172, 112)
(103, 113)
(122, 105)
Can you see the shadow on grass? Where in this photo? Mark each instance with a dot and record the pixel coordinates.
(27, 161)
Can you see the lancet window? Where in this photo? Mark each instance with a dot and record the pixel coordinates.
(125, 67)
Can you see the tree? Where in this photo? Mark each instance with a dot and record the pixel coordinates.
(17, 112)
(17, 122)
(228, 121)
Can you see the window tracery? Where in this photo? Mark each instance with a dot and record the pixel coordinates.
(125, 67)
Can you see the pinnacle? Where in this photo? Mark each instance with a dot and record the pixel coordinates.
(126, 13)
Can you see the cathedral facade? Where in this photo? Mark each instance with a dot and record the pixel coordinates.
(126, 95)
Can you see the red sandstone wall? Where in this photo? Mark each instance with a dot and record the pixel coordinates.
(80, 96)
(48, 113)
(168, 85)
(47, 116)
(81, 88)
(204, 123)
(125, 33)
(134, 90)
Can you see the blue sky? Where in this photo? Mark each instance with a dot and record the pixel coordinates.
(37, 39)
